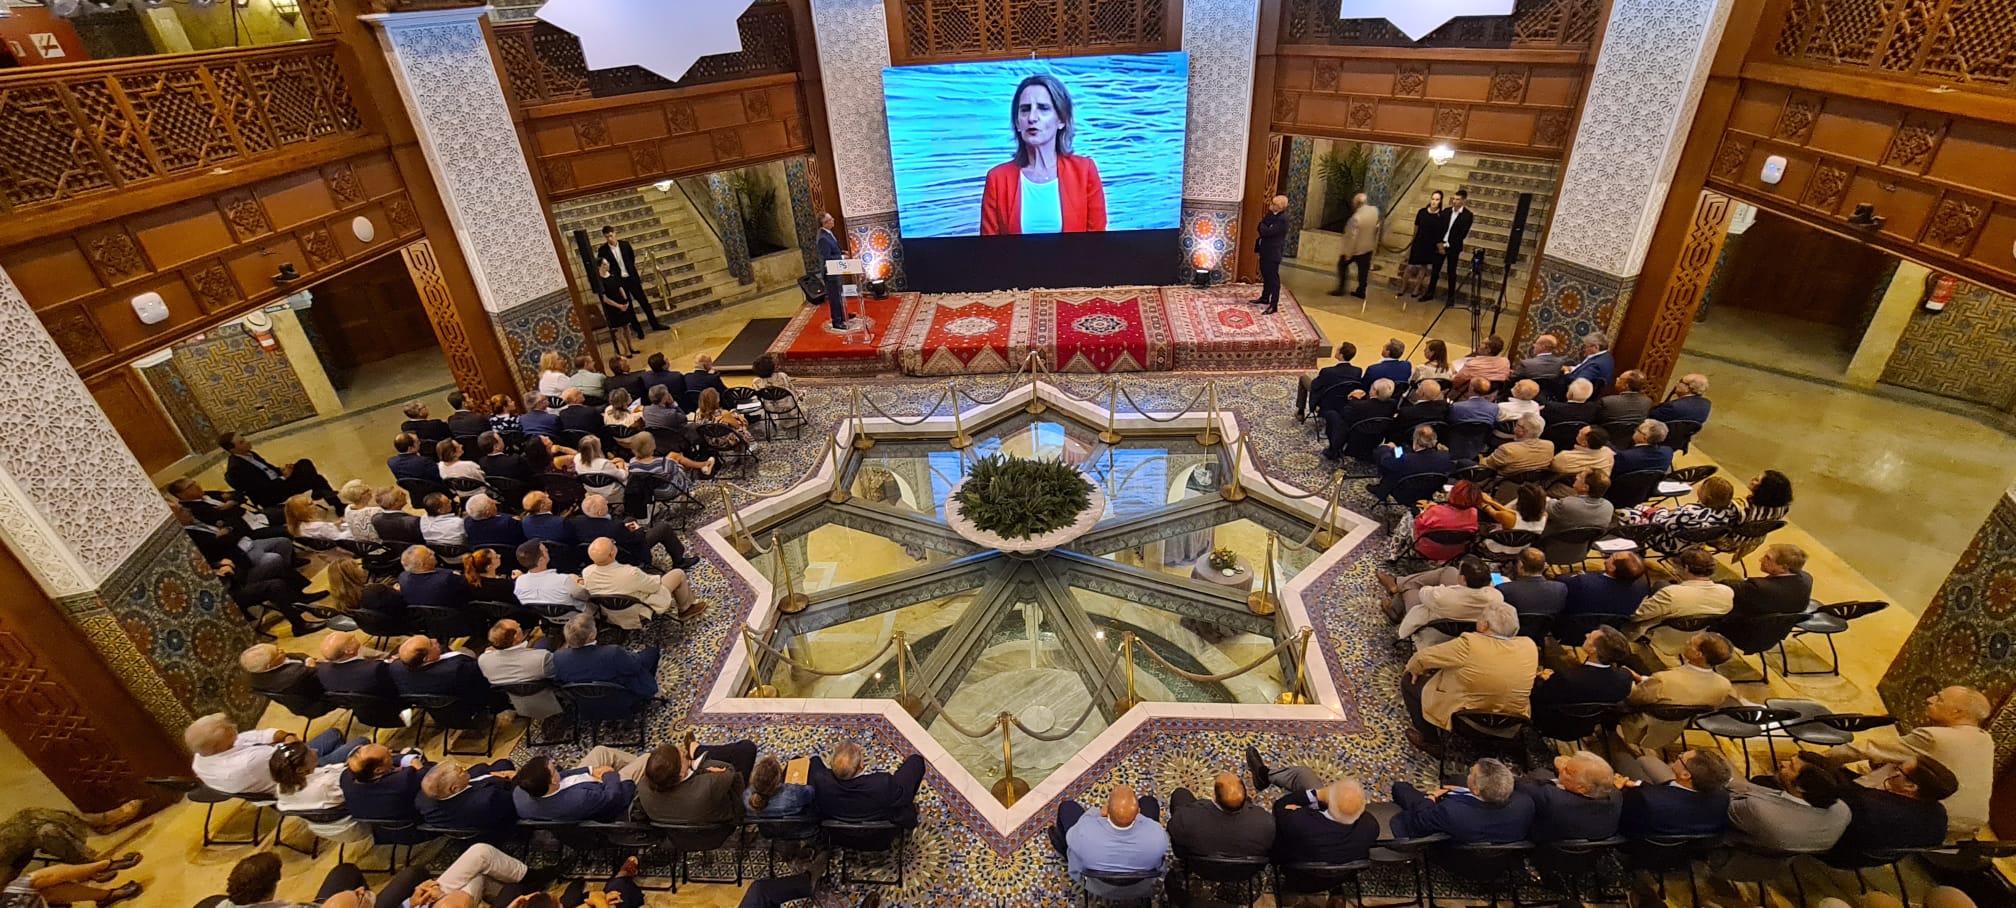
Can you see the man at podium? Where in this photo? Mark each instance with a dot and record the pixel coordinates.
(829, 252)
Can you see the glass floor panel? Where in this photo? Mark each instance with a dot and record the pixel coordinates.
(1187, 555)
(848, 643)
(1197, 646)
(1022, 668)
(833, 555)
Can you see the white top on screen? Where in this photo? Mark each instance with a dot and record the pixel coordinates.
(1042, 212)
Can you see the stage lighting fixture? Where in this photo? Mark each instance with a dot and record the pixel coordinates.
(1201, 278)
(1441, 154)
(878, 288)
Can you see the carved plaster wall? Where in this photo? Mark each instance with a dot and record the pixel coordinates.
(1647, 82)
(1220, 36)
(442, 65)
(853, 49)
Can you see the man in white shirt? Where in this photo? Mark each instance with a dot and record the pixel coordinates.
(1952, 735)
(231, 762)
(512, 659)
(541, 586)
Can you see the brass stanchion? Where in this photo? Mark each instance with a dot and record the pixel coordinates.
(1210, 436)
(738, 536)
(1233, 491)
(1127, 660)
(1298, 694)
(793, 601)
(839, 494)
(1261, 601)
(1008, 789)
(757, 688)
(861, 440)
(1326, 534)
(910, 704)
(1110, 436)
(960, 439)
(1036, 404)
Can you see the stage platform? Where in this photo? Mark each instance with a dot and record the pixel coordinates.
(1110, 329)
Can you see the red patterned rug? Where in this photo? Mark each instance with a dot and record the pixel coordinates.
(967, 334)
(1118, 329)
(1218, 329)
(810, 345)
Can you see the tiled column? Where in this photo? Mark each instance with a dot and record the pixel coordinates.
(442, 65)
(1220, 36)
(853, 49)
(114, 571)
(803, 188)
(1647, 82)
(734, 236)
(1300, 162)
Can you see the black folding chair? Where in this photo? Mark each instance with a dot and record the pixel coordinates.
(688, 839)
(1306, 878)
(728, 448)
(1814, 724)
(509, 493)
(1570, 547)
(775, 831)
(441, 623)
(1742, 723)
(325, 815)
(526, 689)
(1361, 441)
(566, 491)
(1680, 434)
(600, 703)
(849, 838)
(1496, 866)
(1467, 440)
(1831, 619)
(1758, 635)
(1108, 887)
(1571, 865)
(1742, 539)
(419, 489)
(601, 484)
(452, 715)
(1486, 731)
(1509, 544)
(1634, 488)
(1661, 855)
(780, 411)
(1562, 434)
(1243, 873)
(210, 798)
(375, 713)
(1535, 626)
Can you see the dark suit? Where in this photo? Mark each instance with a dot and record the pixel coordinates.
(1398, 371)
(1327, 378)
(631, 383)
(630, 546)
(1535, 596)
(1639, 458)
(362, 676)
(452, 676)
(607, 801)
(829, 250)
(1782, 594)
(538, 422)
(1461, 817)
(550, 528)
(1307, 835)
(579, 418)
(698, 381)
(392, 797)
(413, 466)
(712, 794)
(463, 423)
(292, 680)
(507, 465)
(602, 662)
(1654, 809)
(869, 796)
(623, 271)
(1199, 826)
(1599, 369)
(230, 515)
(1396, 464)
(1624, 406)
(674, 382)
(1880, 820)
(1272, 244)
(438, 587)
(485, 804)
(427, 429)
(398, 526)
(262, 483)
(1576, 684)
(501, 531)
(1562, 411)
(1563, 814)
(1459, 230)
(1414, 414)
(1338, 424)
(1690, 409)
(1592, 593)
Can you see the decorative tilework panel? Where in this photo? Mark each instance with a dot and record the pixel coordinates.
(238, 385)
(1379, 176)
(1210, 239)
(880, 245)
(547, 323)
(180, 402)
(728, 218)
(1300, 152)
(798, 181)
(853, 50)
(1967, 351)
(1220, 36)
(1570, 301)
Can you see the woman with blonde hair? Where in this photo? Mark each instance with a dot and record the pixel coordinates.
(504, 415)
(588, 459)
(350, 588)
(554, 379)
(360, 505)
(311, 519)
(1714, 507)
(710, 412)
(622, 412)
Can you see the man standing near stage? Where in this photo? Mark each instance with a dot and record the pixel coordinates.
(1451, 244)
(829, 250)
(1272, 242)
(622, 259)
(1361, 237)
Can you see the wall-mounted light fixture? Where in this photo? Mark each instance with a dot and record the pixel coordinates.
(151, 308)
(1441, 154)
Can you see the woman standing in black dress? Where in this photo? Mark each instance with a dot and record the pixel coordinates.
(1430, 224)
(616, 311)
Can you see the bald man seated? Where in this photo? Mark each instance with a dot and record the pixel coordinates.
(423, 669)
(606, 576)
(1231, 823)
(1952, 735)
(1315, 822)
(1124, 837)
(384, 787)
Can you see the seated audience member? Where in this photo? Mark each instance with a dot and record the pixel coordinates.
(1434, 363)
(540, 523)
(673, 466)
(771, 798)
(1585, 506)
(384, 787)
(486, 585)
(440, 525)
(1714, 507)
(233, 762)
(588, 460)
(663, 411)
(1427, 406)
(425, 582)
(1459, 512)
(1689, 401)
(454, 796)
(599, 790)
(483, 527)
(1527, 452)
(538, 418)
(1524, 402)
(764, 367)
(657, 372)
(843, 792)
(1694, 682)
(423, 670)
(257, 560)
(352, 590)
(1528, 513)
(1598, 676)
(1597, 365)
(1689, 796)
(605, 576)
(481, 874)
(1310, 391)
(1378, 404)
(1477, 404)
(302, 786)
(622, 376)
(344, 670)
(1228, 824)
(1591, 454)
(1392, 365)
(1424, 455)
(465, 422)
(1492, 809)
(702, 788)
(68, 884)
(703, 376)
(1696, 595)
(1488, 363)
(1802, 812)
(553, 373)
(406, 462)
(1648, 451)
(498, 462)
(1315, 823)
(512, 659)
(585, 661)
(263, 483)
(505, 414)
(623, 413)
(1628, 404)
(448, 455)
(543, 587)
(585, 379)
(1770, 497)
(1951, 736)
(710, 412)
(1616, 592)
(1529, 592)
(575, 415)
(1124, 838)
(1546, 361)
(1904, 813)
(277, 673)
(1448, 593)
(307, 518)
(226, 509)
(1580, 802)
(1490, 669)
(1784, 588)
(1577, 408)
(392, 523)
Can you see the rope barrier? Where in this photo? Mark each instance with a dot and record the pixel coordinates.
(931, 698)
(832, 450)
(1013, 383)
(1304, 496)
(928, 413)
(1179, 414)
(750, 637)
(1056, 736)
(1278, 649)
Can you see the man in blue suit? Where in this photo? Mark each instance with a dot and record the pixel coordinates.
(423, 582)
(1425, 455)
(407, 463)
(1648, 451)
(343, 670)
(1689, 401)
(841, 791)
(1391, 365)
(829, 249)
(538, 418)
(380, 786)
(597, 791)
(1689, 796)
(1579, 802)
(1617, 591)
(1597, 365)
(1492, 810)
(477, 797)
(584, 661)
(424, 671)
(488, 529)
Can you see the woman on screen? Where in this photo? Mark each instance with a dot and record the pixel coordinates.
(1046, 189)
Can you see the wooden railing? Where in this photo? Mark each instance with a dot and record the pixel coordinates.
(938, 30)
(68, 132)
(543, 64)
(1962, 43)
(1547, 24)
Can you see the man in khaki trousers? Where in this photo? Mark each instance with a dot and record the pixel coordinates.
(1361, 237)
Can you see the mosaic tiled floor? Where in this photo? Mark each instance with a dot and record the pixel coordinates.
(955, 856)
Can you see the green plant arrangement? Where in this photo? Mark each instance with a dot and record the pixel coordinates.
(1224, 559)
(1015, 498)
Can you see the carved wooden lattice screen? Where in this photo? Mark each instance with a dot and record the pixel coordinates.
(1567, 24)
(1969, 42)
(933, 30)
(543, 64)
(77, 131)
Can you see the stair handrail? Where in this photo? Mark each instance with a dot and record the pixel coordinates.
(1420, 168)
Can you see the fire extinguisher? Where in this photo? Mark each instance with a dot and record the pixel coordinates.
(1939, 291)
(260, 326)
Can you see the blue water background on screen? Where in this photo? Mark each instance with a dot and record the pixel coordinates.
(949, 124)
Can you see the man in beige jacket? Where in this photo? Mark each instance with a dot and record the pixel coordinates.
(1693, 683)
(1697, 595)
(1361, 238)
(608, 577)
(1490, 669)
(1953, 736)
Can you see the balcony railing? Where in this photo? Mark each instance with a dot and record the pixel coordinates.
(543, 64)
(68, 132)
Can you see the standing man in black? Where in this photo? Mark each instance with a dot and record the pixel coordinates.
(829, 250)
(1272, 242)
(1451, 244)
(622, 261)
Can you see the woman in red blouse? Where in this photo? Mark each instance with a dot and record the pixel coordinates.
(1046, 188)
(1459, 514)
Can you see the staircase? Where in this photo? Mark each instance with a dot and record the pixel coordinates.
(1495, 185)
(680, 260)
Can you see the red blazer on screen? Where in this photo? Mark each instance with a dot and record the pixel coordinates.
(1079, 193)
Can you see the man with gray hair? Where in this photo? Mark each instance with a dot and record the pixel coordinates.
(1492, 809)
(1490, 669)
(1361, 239)
(235, 762)
(513, 659)
(1577, 408)
(585, 661)
(1546, 361)
(487, 529)
(462, 797)
(1952, 735)
(1527, 452)
(1272, 245)
(1315, 822)
(1424, 455)
(1648, 451)
(1359, 407)
(1578, 800)
(424, 583)
(1689, 401)
(842, 791)
(663, 412)
(1597, 365)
